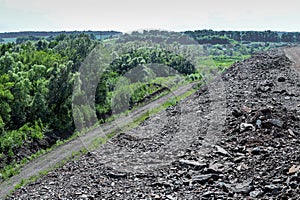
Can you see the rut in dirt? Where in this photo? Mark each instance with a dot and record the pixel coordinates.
(237, 137)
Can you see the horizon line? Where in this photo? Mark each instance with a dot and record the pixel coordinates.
(138, 30)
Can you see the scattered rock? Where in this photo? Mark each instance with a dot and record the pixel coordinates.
(294, 169)
(246, 109)
(291, 133)
(238, 159)
(216, 168)
(208, 194)
(256, 193)
(244, 187)
(242, 166)
(274, 122)
(192, 163)
(222, 151)
(274, 189)
(236, 113)
(202, 179)
(256, 151)
(245, 127)
(170, 197)
(116, 175)
(281, 79)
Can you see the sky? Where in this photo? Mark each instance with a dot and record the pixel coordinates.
(130, 15)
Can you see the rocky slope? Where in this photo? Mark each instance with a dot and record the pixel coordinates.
(237, 137)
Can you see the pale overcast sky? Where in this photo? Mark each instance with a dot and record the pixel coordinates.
(128, 15)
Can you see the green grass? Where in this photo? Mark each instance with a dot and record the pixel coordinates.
(224, 61)
(210, 64)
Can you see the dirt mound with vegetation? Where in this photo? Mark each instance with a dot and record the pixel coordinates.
(237, 137)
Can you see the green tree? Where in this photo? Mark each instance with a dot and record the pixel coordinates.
(5, 98)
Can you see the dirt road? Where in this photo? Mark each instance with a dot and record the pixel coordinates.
(50, 159)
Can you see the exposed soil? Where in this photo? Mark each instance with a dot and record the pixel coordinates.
(236, 138)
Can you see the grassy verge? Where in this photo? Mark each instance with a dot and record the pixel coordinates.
(218, 62)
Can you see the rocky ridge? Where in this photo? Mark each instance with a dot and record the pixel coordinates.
(237, 137)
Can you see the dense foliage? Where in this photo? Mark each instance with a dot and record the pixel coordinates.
(146, 56)
(245, 36)
(36, 83)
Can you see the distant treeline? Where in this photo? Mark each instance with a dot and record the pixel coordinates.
(215, 37)
(53, 33)
(212, 37)
(187, 37)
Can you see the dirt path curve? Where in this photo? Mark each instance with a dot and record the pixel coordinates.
(293, 53)
(50, 159)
